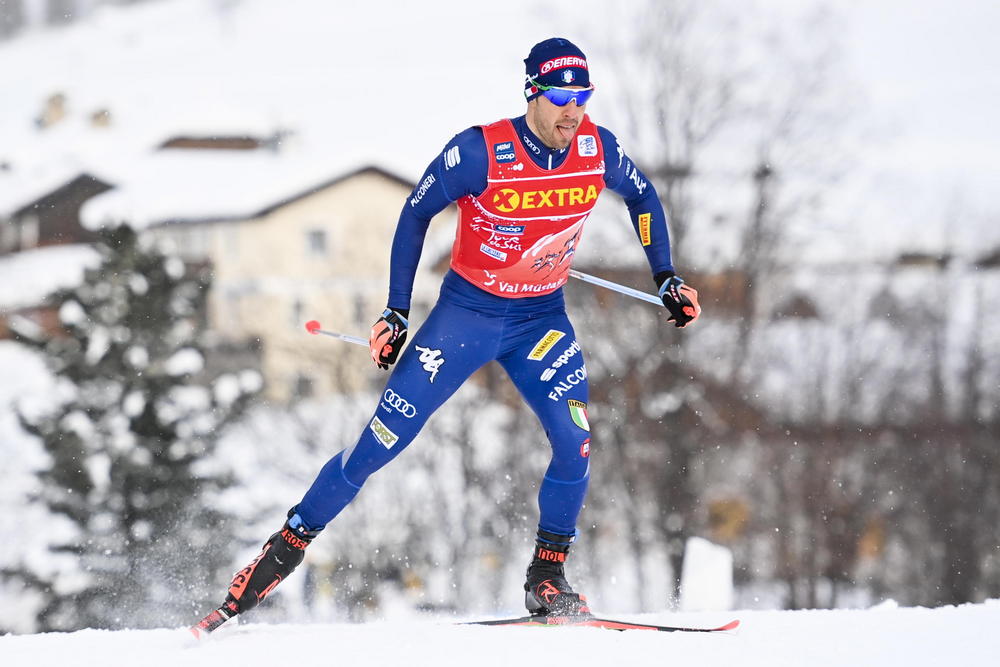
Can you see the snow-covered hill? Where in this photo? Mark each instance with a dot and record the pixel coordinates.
(878, 637)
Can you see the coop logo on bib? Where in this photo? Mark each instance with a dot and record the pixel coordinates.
(504, 151)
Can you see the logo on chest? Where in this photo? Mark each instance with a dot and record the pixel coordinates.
(586, 144)
(504, 152)
(508, 200)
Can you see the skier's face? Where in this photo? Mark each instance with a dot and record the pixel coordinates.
(555, 126)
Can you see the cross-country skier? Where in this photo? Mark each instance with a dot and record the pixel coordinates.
(524, 188)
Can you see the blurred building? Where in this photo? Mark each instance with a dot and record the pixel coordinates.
(288, 241)
(321, 253)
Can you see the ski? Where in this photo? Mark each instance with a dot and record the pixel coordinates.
(594, 622)
(212, 622)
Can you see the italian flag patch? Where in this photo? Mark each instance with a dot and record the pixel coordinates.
(578, 411)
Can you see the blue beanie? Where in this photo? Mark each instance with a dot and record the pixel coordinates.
(555, 62)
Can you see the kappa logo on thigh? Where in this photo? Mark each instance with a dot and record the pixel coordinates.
(431, 360)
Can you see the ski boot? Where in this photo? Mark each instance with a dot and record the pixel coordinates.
(281, 554)
(547, 593)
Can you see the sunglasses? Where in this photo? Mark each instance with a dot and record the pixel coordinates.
(563, 96)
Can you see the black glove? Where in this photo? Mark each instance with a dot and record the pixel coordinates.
(387, 336)
(679, 298)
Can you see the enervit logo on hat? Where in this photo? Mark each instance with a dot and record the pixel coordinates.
(561, 62)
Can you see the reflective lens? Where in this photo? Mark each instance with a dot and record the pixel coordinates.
(559, 96)
(563, 96)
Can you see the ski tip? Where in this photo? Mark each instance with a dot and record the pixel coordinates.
(206, 626)
(312, 326)
(731, 625)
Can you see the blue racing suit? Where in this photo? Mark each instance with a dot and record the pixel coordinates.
(530, 336)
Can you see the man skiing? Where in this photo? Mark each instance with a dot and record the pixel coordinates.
(524, 189)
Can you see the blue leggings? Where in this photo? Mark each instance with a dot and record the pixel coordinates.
(534, 342)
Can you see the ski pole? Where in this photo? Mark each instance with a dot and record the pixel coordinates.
(621, 289)
(313, 327)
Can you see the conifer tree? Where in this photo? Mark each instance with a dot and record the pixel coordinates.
(135, 540)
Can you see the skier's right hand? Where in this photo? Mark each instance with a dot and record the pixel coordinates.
(387, 337)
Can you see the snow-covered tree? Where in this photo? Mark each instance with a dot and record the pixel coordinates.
(130, 442)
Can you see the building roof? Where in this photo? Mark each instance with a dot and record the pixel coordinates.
(27, 277)
(175, 186)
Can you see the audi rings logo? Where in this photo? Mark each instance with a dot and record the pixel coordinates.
(399, 404)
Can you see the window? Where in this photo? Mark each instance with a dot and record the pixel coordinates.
(316, 243)
(8, 236)
(302, 386)
(231, 234)
(29, 232)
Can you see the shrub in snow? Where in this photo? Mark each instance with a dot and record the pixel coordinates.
(125, 443)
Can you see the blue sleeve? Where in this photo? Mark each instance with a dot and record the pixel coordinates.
(460, 169)
(624, 177)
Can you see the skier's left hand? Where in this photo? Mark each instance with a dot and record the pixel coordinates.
(679, 298)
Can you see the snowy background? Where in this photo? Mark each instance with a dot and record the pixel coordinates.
(891, 153)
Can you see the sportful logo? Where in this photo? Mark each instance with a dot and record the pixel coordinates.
(560, 361)
(504, 151)
(382, 432)
(431, 360)
(587, 145)
(564, 61)
(507, 200)
(452, 157)
(545, 344)
(391, 399)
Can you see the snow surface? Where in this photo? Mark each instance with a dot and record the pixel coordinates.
(885, 635)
